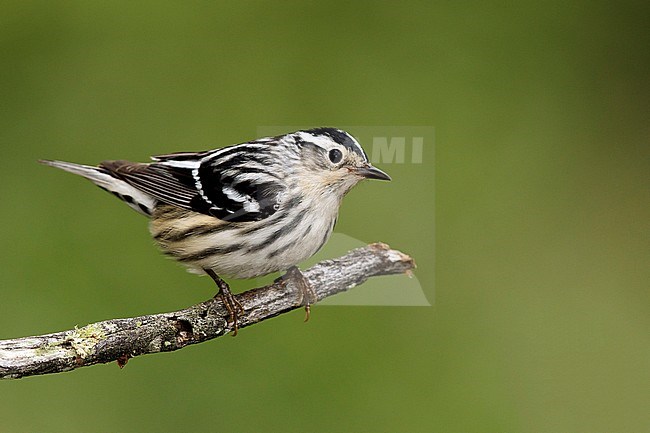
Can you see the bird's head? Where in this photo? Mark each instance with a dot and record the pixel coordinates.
(329, 159)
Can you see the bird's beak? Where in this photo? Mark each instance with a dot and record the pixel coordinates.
(370, 172)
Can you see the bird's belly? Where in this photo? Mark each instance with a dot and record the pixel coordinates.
(246, 251)
(278, 255)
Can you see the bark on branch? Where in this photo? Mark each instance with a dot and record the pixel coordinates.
(122, 339)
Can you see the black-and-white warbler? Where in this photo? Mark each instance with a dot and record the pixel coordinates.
(245, 210)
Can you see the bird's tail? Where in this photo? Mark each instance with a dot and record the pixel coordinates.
(136, 199)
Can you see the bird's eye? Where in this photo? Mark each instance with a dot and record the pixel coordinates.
(335, 156)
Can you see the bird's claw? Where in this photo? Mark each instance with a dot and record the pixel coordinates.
(307, 294)
(229, 301)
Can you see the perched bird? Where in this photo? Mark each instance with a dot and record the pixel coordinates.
(245, 210)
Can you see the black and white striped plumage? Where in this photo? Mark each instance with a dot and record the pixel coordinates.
(245, 210)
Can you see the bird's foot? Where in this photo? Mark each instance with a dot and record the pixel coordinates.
(307, 294)
(231, 303)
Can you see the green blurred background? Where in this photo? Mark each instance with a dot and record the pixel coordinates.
(537, 192)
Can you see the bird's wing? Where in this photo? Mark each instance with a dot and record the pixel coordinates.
(231, 184)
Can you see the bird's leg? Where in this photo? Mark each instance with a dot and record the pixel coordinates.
(307, 294)
(228, 299)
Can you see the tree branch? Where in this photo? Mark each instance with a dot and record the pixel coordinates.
(121, 339)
